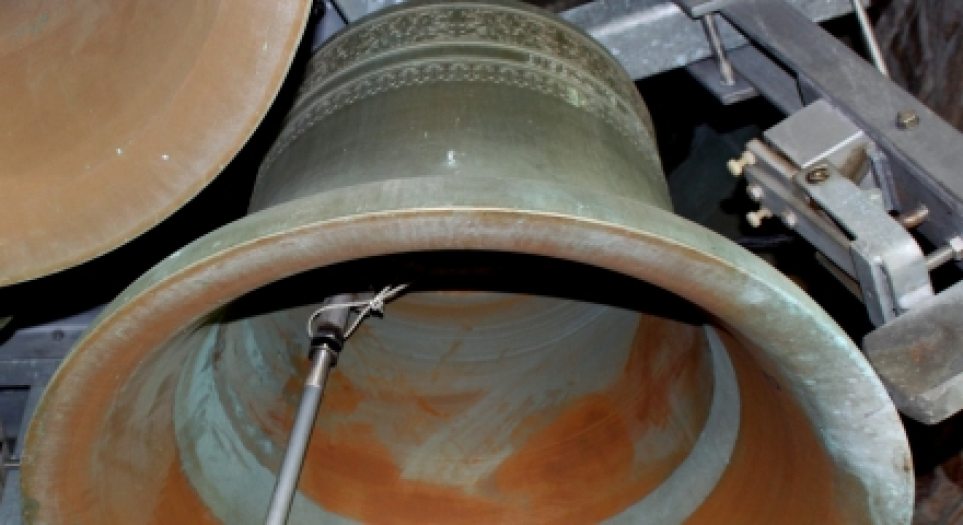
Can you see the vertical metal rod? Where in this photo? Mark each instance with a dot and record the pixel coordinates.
(323, 358)
(287, 482)
(869, 36)
(712, 33)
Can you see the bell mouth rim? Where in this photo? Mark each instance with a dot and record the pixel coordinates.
(160, 164)
(537, 218)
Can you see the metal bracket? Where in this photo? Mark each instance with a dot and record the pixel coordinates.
(921, 151)
(816, 134)
(888, 263)
(825, 155)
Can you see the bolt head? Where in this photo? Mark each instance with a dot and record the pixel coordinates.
(907, 119)
(817, 175)
(754, 191)
(956, 244)
(789, 219)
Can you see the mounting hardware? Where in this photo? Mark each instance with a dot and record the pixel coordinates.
(907, 119)
(953, 251)
(914, 218)
(789, 218)
(817, 175)
(737, 166)
(755, 192)
(755, 218)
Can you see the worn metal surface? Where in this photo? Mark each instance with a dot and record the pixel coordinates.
(818, 133)
(779, 86)
(707, 73)
(887, 261)
(839, 217)
(502, 133)
(115, 116)
(773, 174)
(11, 503)
(28, 359)
(918, 357)
(652, 36)
(921, 164)
(31, 354)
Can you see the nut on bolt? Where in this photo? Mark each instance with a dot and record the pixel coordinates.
(907, 119)
(737, 166)
(817, 175)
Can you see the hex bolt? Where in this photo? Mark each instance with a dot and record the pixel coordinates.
(789, 219)
(907, 119)
(755, 192)
(952, 251)
(914, 218)
(738, 166)
(755, 218)
(817, 175)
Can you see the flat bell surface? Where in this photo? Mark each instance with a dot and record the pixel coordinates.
(117, 113)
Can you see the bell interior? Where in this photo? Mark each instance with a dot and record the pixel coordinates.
(500, 388)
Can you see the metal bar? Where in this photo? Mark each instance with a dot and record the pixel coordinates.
(652, 36)
(728, 76)
(290, 472)
(323, 358)
(939, 257)
(869, 37)
(774, 83)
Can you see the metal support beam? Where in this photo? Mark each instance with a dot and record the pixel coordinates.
(923, 154)
(652, 36)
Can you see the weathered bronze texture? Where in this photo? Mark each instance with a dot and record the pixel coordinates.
(549, 364)
(117, 113)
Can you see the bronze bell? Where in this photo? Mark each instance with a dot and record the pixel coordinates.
(570, 351)
(116, 114)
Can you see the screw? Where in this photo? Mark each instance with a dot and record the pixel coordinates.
(907, 119)
(737, 166)
(952, 251)
(817, 175)
(755, 218)
(914, 218)
(789, 219)
(755, 192)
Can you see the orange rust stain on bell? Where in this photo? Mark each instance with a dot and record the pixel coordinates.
(353, 474)
(666, 357)
(341, 396)
(779, 472)
(578, 469)
(423, 308)
(583, 466)
(576, 463)
(177, 502)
